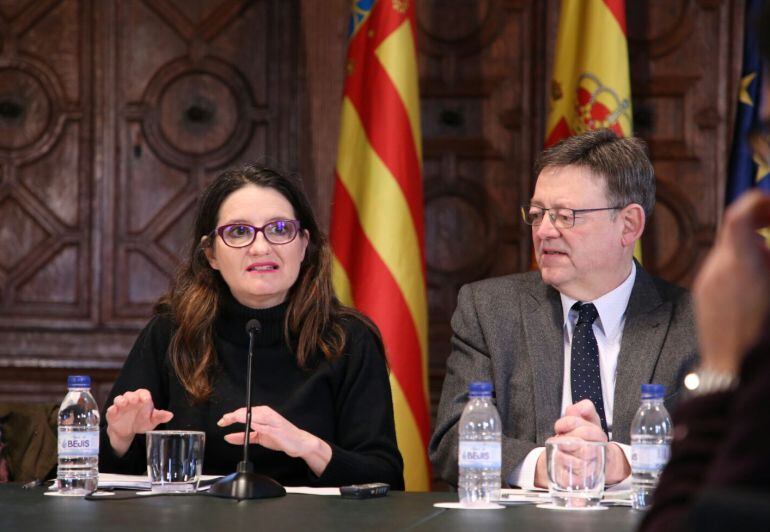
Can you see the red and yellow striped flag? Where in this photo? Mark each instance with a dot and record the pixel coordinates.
(377, 216)
(591, 85)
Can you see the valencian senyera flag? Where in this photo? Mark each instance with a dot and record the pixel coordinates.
(377, 216)
(747, 170)
(591, 84)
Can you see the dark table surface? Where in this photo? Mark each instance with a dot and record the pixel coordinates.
(30, 509)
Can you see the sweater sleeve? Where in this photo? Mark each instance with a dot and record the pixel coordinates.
(144, 368)
(365, 448)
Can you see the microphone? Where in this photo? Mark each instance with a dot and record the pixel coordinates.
(245, 483)
(253, 327)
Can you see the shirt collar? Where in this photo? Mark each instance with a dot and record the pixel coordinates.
(611, 306)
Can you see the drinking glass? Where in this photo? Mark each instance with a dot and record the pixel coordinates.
(575, 472)
(175, 459)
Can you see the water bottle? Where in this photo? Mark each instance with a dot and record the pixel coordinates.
(479, 447)
(650, 445)
(78, 472)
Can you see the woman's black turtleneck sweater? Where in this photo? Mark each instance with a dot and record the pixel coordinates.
(346, 401)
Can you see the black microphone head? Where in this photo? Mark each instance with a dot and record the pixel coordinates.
(253, 326)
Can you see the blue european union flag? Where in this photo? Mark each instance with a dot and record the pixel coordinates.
(745, 172)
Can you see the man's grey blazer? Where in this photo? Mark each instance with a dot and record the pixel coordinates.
(509, 331)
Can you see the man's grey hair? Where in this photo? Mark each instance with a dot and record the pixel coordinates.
(623, 164)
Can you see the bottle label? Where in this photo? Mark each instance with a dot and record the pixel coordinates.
(480, 454)
(649, 456)
(78, 444)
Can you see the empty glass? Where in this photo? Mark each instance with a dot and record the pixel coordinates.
(175, 459)
(575, 472)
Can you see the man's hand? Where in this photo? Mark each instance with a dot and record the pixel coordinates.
(581, 421)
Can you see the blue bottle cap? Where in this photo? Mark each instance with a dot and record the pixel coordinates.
(653, 391)
(78, 381)
(478, 388)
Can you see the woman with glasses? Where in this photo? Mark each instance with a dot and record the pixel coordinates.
(323, 413)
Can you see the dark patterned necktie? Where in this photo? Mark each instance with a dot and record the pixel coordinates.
(586, 381)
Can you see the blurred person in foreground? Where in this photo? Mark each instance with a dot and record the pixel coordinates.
(324, 413)
(720, 450)
(720, 433)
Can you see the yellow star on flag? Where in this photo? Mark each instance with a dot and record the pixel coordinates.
(762, 169)
(765, 233)
(743, 93)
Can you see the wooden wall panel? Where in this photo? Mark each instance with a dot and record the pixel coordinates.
(47, 236)
(481, 113)
(45, 142)
(684, 78)
(323, 51)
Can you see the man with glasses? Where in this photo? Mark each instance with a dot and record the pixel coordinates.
(567, 347)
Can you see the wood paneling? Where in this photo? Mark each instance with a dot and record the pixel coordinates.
(481, 116)
(322, 74)
(684, 73)
(45, 144)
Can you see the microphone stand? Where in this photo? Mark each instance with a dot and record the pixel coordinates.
(245, 483)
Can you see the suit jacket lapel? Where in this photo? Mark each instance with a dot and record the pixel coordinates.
(645, 330)
(544, 336)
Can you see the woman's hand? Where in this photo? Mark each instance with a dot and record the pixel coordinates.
(130, 414)
(271, 430)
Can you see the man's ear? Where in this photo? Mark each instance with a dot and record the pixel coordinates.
(634, 220)
(208, 250)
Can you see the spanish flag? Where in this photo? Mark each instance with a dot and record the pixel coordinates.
(591, 85)
(377, 215)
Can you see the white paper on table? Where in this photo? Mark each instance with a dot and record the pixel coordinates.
(137, 482)
(461, 506)
(612, 496)
(141, 482)
(306, 490)
(523, 496)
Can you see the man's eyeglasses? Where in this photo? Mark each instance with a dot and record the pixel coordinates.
(759, 139)
(242, 235)
(561, 217)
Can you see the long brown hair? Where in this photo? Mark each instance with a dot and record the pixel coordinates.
(314, 315)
